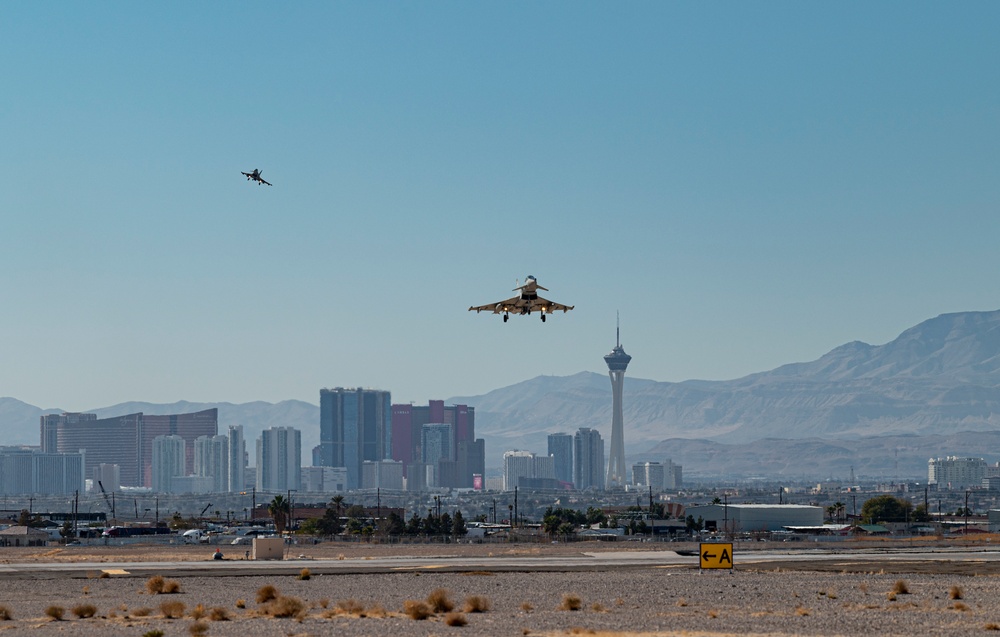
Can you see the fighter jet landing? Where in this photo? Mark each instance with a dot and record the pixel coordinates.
(255, 176)
(526, 302)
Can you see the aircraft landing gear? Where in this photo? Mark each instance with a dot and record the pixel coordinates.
(505, 317)
(543, 318)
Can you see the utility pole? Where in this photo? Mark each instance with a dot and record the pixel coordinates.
(515, 507)
(966, 531)
(76, 513)
(253, 502)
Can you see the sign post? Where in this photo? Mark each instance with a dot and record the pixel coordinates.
(716, 555)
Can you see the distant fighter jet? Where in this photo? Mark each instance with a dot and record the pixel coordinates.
(524, 303)
(255, 176)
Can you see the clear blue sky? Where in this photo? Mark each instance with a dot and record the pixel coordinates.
(750, 184)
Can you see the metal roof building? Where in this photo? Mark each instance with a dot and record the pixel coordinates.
(744, 518)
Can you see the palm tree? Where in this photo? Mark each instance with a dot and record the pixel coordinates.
(278, 508)
(337, 502)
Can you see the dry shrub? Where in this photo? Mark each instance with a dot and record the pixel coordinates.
(285, 606)
(991, 626)
(579, 630)
(962, 606)
(802, 611)
(416, 609)
(86, 590)
(104, 575)
(598, 607)
(891, 596)
(323, 603)
(171, 587)
(142, 612)
(55, 612)
(305, 574)
(455, 619)
(527, 607)
(439, 601)
(955, 592)
(619, 601)
(153, 633)
(241, 603)
(198, 628)
(218, 614)
(901, 588)
(863, 587)
(571, 602)
(377, 611)
(266, 593)
(198, 612)
(172, 610)
(340, 556)
(713, 614)
(476, 604)
(349, 607)
(682, 602)
(155, 584)
(5, 614)
(84, 611)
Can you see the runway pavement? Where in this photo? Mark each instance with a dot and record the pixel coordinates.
(822, 559)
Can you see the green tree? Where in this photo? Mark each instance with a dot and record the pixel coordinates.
(458, 528)
(278, 508)
(395, 524)
(413, 525)
(337, 502)
(595, 516)
(886, 508)
(920, 514)
(357, 517)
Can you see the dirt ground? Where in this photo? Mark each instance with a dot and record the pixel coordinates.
(790, 598)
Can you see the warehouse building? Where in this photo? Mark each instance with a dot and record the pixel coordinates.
(746, 518)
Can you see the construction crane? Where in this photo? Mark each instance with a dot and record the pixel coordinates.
(111, 507)
(202, 514)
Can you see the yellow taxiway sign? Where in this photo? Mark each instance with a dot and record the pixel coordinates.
(716, 555)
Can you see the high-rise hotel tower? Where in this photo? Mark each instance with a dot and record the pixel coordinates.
(617, 361)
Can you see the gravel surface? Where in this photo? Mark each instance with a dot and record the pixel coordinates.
(621, 602)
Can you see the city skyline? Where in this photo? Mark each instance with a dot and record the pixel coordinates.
(758, 184)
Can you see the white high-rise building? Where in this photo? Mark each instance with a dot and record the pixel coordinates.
(648, 474)
(237, 452)
(279, 459)
(956, 473)
(383, 474)
(211, 460)
(517, 464)
(168, 461)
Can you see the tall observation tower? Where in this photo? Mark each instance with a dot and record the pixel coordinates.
(617, 361)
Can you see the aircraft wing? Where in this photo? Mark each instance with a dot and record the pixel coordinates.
(261, 179)
(247, 175)
(548, 307)
(509, 305)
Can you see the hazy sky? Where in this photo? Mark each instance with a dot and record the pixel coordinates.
(750, 184)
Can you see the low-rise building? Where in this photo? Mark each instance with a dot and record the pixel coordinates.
(746, 518)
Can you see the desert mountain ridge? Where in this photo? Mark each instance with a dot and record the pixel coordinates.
(938, 379)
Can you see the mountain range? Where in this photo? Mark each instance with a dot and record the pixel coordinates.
(881, 409)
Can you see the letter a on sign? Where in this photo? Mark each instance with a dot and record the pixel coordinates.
(716, 555)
